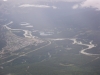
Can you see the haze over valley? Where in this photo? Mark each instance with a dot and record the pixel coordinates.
(49, 37)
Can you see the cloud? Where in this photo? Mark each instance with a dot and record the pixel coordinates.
(39, 6)
(29, 5)
(64, 0)
(91, 4)
(75, 6)
(71, 0)
(45, 0)
(54, 7)
(4, 0)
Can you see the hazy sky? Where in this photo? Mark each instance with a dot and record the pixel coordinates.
(47, 0)
(83, 3)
